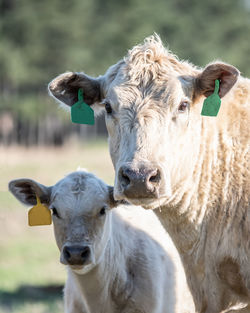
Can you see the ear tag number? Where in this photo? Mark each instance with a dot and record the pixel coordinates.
(211, 104)
(39, 214)
(81, 113)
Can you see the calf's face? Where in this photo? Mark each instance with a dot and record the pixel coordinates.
(80, 205)
(153, 104)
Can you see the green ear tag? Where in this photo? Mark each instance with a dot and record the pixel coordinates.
(211, 104)
(81, 113)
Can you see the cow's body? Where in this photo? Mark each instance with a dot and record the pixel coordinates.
(209, 218)
(129, 269)
(192, 170)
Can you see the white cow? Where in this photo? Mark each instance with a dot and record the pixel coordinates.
(114, 265)
(193, 170)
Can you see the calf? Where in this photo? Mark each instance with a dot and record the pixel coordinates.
(192, 170)
(113, 265)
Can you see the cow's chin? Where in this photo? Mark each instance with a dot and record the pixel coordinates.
(148, 203)
(82, 269)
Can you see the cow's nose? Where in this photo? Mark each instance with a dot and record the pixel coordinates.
(76, 255)
(141, 182)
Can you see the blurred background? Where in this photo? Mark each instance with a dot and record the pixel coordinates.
(41, 39)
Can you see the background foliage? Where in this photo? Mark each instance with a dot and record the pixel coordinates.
(41, 39)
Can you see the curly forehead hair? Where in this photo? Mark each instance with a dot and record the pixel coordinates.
(78, 184)
(151, 60)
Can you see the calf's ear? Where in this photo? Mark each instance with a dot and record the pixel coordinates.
(65, 88)
(225, 73)
(111, 201)
(26, 190)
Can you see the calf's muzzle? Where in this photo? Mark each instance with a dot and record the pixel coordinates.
(76, 254)
(139, 182)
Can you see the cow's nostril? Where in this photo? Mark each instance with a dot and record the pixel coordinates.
(155, 177)
(125, 179)
(125, 176)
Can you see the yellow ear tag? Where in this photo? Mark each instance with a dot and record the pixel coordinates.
(39, 214)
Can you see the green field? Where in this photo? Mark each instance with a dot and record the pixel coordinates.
(31, 277)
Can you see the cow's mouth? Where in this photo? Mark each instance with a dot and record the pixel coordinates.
(148, 203)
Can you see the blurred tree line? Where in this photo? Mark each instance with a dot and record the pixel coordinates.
(41, 39)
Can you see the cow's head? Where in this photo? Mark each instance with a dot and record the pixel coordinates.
(153, 103)
(80, 205)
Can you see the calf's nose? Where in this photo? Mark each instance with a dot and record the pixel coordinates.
(141, 182)
(76, 254)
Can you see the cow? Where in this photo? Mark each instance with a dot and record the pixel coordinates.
(192, 170)
(117, 262)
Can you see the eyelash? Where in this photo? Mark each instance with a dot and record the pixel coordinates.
(102, 211)
(55, 213)
(108, 108)
(184, 105)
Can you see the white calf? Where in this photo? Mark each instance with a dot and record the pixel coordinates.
(114, 263)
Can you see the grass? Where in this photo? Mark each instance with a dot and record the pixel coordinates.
(29, 259)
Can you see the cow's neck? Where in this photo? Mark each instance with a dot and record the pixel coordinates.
(183, 213)
(185, 216)
(101, 286)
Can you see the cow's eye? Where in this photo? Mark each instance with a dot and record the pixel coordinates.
(55, 213)
(108, 107)
(102, 211)
(184, 105)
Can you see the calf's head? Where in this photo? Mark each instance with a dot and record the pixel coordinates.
(80, 205)
(153, 103)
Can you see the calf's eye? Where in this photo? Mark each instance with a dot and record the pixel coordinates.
(102, 211)
(184, 105)
(55, 213)
(108, 107)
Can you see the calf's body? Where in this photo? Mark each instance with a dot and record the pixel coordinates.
(118, 261)
(128, 277)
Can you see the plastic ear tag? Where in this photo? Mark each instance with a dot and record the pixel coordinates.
(81, 113)
(39, 214)
(211, 104)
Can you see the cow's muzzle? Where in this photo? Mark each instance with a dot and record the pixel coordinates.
(142, 181)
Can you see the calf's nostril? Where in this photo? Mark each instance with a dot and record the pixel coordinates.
(85, 253)
(67, 255)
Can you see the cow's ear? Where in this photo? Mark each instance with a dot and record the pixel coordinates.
(65, 88)
(26, 190)
(225, 73)
(111, 201)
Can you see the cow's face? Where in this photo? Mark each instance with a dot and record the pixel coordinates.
(153, 104)
(80, 205)
(148, 128)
